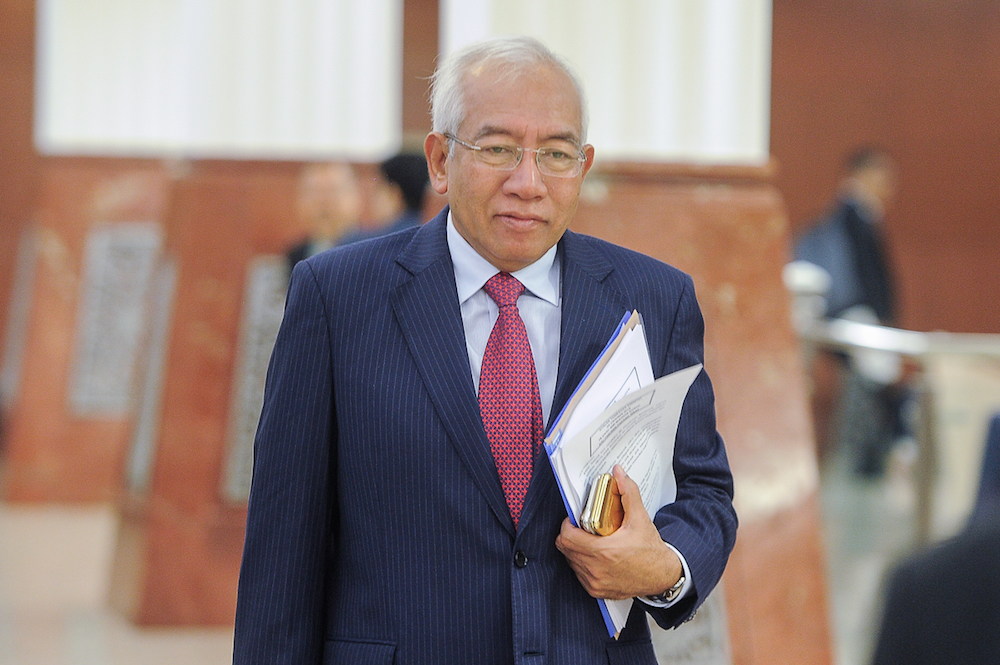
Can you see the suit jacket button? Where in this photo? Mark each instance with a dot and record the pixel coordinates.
(520, 559)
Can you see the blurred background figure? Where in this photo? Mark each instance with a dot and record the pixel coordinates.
(943, 605)
(329, 205)
(848, 245)
(397, 199)
(848, 242)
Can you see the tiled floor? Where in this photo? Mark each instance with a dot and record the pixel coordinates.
(869, 525)
(54, 567)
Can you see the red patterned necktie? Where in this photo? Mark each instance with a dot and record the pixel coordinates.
(508, 394)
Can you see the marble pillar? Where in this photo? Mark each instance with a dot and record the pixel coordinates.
(88, 261)
(727, 228)
(184, 498)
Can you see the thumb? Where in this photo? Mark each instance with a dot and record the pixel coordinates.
(629, 490)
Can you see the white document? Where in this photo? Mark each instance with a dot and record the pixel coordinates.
(627, 370)
(637, 432)
(619, 415)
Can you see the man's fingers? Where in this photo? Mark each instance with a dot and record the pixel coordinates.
(631, 497)
(572, 538)
(562, 540)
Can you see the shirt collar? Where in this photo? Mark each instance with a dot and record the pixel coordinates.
(541, 278)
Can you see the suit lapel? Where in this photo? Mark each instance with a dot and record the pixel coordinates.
(429, 314)
(591, 311)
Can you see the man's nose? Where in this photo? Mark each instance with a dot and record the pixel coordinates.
(526, 180)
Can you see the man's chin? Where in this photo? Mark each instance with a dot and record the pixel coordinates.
(515, 259)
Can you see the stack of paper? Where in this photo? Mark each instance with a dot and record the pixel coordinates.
(619, 415)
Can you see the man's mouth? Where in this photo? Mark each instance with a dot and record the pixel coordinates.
(518, 220)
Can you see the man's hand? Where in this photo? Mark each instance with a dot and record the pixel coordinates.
(633, 561)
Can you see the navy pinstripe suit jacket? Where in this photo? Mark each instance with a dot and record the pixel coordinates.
(377, 529)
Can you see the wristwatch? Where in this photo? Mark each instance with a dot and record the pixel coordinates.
(670, 594)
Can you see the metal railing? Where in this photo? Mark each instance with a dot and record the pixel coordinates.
(850, 336)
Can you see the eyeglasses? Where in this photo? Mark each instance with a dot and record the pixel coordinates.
(559, 162)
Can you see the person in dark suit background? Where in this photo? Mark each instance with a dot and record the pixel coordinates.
(394, 517)
(943, 604)
(397, 198)
(328, 202)
(848, 243)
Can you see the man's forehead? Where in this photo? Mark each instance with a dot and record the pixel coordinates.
(499, 102)
(495, 77)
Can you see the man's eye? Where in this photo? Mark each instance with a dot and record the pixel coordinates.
(558, 155)
(499, 150)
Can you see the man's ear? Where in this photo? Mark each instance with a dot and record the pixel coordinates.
(588, 152)
(436, 150)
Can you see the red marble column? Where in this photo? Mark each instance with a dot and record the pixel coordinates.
(181, 539)
(51, 451)
(727, 228)
(19, 163)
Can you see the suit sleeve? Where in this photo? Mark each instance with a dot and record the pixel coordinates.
(280, 613)
(701, 522)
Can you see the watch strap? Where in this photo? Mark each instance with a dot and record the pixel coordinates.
(670, 594)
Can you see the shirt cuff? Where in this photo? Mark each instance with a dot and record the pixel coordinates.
(684, 587)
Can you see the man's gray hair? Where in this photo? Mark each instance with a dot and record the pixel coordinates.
(510, 56)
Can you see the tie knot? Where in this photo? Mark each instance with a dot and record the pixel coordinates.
(504, 289)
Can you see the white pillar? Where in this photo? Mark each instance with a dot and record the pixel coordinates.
(220, 78)
(683, 81)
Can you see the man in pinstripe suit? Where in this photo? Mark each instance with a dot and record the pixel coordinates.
(378, 528)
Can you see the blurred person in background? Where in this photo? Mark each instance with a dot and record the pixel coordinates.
(848, 244)
(397, 198)
(943, 605)
(329, 204)
(848, 241)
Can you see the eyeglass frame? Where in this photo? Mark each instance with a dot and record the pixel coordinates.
(581, 157)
